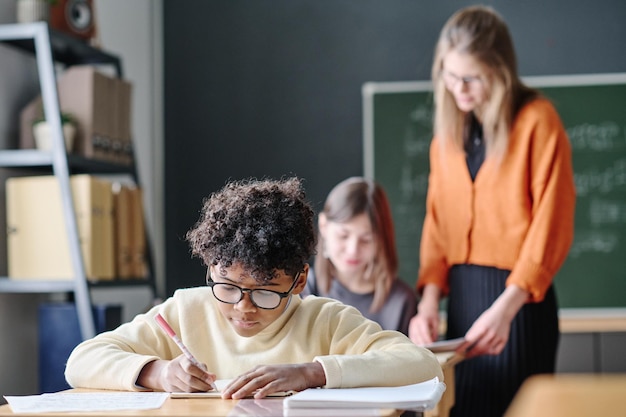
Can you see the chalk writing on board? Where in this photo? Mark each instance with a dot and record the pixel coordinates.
(602, 212)
(412, 184)
(603, 180)
(423, 115)
(594, 241)
(605, 136)
(412, 176)
(416, 143)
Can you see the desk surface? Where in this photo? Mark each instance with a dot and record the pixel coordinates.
(268, 407)
(571, 396)
(592, 320)
(580, 320)
(199, 407)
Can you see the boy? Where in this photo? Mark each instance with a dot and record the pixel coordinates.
(249, 324)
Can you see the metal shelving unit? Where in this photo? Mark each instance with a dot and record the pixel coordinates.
(50, 47)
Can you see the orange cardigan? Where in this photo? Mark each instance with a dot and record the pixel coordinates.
(517, 215)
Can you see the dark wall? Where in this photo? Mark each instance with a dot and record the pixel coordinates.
(270, 88)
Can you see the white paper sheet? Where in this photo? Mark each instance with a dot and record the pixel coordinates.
(419, 397)
(449, 345)
(86, 401)
(221, 384)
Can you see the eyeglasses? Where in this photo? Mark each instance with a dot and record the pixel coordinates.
(451, 79)
(232, 294)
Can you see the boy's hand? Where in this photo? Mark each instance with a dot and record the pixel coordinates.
(263, 380)
(177, 375)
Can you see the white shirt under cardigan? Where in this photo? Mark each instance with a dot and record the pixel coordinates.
(353, 350)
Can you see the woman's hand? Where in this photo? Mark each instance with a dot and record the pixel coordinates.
(263, 380)
(490, 332)
(424, 327)
(488, 335)
(177, 375)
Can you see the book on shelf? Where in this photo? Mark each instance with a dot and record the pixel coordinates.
(130, 232)
(122, 230)
(139, 268)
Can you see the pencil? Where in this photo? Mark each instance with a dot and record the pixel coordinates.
(171, 333)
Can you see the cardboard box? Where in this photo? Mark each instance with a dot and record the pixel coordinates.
(101, 106)
(37, 241)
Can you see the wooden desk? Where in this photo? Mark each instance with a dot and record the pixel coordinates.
(578, 320)
(571, 395)
(592, 320)
(196, 407)
(447, 360)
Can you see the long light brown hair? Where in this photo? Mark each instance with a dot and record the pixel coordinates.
(348, 199)
(480, 32)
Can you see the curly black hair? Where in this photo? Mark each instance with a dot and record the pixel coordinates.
(264, 226)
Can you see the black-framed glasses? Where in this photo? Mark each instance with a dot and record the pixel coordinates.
(232, 294)
(452, 79)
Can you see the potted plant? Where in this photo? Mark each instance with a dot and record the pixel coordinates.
(43, 133)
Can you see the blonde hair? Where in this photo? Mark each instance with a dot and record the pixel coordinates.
(480, 32)
(348, 199)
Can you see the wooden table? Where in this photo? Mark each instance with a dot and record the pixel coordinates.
(571, 395)
(570, 321)
(268, 407)
(581, 320)
(448, 361)
(199, 407)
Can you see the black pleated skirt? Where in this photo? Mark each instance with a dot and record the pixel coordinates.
(486, 385)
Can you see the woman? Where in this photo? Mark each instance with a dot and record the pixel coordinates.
(500, 213)
(357, 261)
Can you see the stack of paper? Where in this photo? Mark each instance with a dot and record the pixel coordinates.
(418, 397)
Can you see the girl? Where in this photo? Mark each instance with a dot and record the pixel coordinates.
(357, 261)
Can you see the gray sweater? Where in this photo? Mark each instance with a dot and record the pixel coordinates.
(400, 307)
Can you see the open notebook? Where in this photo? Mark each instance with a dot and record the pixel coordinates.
(418, 397)
(220, 384)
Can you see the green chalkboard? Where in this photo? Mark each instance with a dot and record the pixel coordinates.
(397, 119)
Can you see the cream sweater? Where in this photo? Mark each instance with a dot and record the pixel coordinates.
(353, 351)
